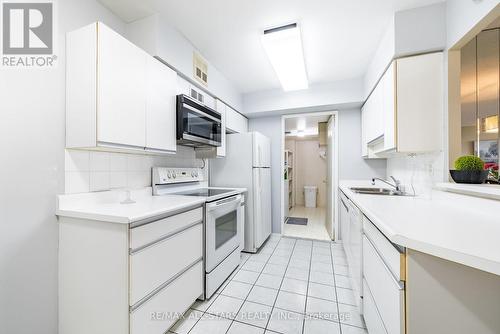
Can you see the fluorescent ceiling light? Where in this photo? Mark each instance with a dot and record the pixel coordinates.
(283, 46)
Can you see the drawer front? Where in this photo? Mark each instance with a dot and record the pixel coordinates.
(373, 321)
(387, 293)
(394, 259)
(155, 315)
(154, 265)
(145, 234)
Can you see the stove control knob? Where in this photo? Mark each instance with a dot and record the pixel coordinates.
(169, 175)
(196, 174)
(174, 176)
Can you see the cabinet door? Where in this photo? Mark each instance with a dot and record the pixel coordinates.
(388, 108)
(221, 108)
(121, 98)
(364, 130)
(183, 86)
(235, 121)
(160, 106)
(420, 103)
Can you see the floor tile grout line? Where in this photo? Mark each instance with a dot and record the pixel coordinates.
(307, 290)
(253, 285)
(218, 295)
(274, 304)
(336, 295)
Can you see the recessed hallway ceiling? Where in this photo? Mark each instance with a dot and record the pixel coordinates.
(339, 36)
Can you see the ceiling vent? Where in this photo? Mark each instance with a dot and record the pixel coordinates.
(200, 69)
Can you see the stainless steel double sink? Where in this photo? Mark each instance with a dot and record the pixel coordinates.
(377, 191)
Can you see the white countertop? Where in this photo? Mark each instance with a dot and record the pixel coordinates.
(491, 191)
(455, 227)
(105, 206)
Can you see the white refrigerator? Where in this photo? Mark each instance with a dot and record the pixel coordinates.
(248, 165)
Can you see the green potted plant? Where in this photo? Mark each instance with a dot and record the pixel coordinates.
(469, 169)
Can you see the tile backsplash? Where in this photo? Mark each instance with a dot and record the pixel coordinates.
(88, 171)
(422, 171)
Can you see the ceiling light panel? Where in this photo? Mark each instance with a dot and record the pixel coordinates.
(283, 46)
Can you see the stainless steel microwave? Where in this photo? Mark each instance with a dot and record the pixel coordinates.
(197, 124)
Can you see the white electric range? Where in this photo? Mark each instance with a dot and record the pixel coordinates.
(224, 219)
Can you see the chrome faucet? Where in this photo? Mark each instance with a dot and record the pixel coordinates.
(396, 185)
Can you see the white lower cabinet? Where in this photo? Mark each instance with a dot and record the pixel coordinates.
(160, 312)
(121, 278)
(386, 292)
(370, 313)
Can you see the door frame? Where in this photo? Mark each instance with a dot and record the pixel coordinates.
(335, 164)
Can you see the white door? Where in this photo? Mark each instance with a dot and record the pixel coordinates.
(261, 150)
(262, 205)
(330, 186)
(121, 106)
(160, 106)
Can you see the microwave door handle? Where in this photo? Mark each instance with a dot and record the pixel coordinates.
(187, 106)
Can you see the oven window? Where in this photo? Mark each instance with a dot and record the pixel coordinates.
(201, 126)
(225, 228)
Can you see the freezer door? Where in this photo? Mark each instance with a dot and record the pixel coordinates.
(262, 205)
(261, 150)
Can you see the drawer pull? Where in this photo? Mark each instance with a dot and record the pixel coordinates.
(158, 218)
(399, 283)
(163, 286)
(165, 237)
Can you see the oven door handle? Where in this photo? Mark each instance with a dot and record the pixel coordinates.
(223, 202)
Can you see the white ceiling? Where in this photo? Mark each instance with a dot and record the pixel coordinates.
(339, 36)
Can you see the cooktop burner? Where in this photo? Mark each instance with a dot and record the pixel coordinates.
(205, 192)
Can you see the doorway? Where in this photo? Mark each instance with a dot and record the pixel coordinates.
(310, 177)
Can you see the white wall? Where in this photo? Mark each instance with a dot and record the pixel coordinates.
(462, 16)
(277, 101)
(157, 37)
(412, 31)
(32, 173)
(351, 165)
(309, 169)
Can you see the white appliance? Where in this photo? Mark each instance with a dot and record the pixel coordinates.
(223, 220)
(248, 165)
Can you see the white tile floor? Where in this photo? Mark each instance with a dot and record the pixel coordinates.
(289, 287)
(316, 224)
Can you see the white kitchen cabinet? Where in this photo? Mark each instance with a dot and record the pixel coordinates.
(121, 96)
(114, 276)
(118, 97)
(160, 107)
(404, 113)
(351, 233)
(386, 291)
(235, 122)
(221, 108)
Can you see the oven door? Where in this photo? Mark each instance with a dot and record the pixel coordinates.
(197, 125)
(222, 230)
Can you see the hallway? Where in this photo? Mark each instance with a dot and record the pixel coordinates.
(315, 228)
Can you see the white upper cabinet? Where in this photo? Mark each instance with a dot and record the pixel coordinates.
(117, 96)
(404, 113)
(221, 108)
(121, 96)
(420, 103)
(235, 121)
(388, 98)
(160, 107)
